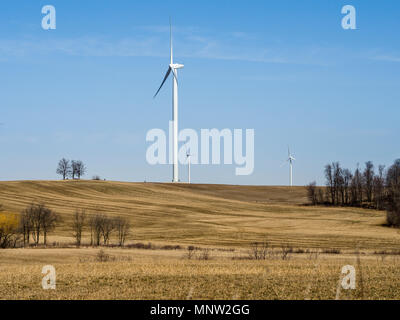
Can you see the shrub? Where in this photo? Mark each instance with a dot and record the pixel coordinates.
(191, 251)
(204, 254)
(331, 251)
(102, 256)
(393, 209)
(259, 250)
(170, 247)
(9, 230)
(312, 193)
(393, 218)
(286, 250)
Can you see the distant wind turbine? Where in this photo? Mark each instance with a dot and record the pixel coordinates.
(189, 159)
(290, 159)
(173, 67)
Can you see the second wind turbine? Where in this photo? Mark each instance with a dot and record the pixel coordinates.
(290, 160)
(173, 67)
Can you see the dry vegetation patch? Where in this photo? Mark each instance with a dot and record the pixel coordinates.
(165, 275)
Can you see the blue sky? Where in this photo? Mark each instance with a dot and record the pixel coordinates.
(284, 68)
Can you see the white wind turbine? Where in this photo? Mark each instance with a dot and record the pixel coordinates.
(173, 67)
(290, 159)
(189, 161)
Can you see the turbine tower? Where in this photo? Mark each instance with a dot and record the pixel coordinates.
(173, 67)
(189, 159)
(290, 160)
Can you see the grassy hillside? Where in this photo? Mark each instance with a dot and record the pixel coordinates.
(207, 215)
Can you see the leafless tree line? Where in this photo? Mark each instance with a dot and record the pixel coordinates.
(101, 228)
(34, 222)
(37, 220)
(377, 189)
(74, 169)
(263, 251)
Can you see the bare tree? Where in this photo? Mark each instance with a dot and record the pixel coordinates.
(78, 224)
(393, 177)
(26, 225)
(357, 187)
(95, 223)
(312, 193)
(379, 188)
(337, 181)
(80, 169)
(393, 197)
(330, 183)
(341, 189)
(64, 168)
(368, 176)
(393, 210)
(122, 226)
(74, 169)
(320, 195)
(353, 192)
(347, 176)
(34, 212)
(49, 220)
(107, 227)
(360, 185)
(38, 219)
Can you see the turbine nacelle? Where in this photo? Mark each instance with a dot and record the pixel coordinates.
(291, 158)
(176, 66)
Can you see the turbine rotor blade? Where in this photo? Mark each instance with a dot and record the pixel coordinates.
(165, 79)
(170, 40)
(173, 71)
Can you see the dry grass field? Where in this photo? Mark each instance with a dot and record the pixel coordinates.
(224, 219)
(153, 274)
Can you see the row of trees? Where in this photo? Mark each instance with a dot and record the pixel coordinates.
(369, 187)
(36, 221)
(74, 169)
(101, 228)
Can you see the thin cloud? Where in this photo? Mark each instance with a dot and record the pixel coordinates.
(166, 29)
(85, 46)
(387, 58)
(236, 46)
